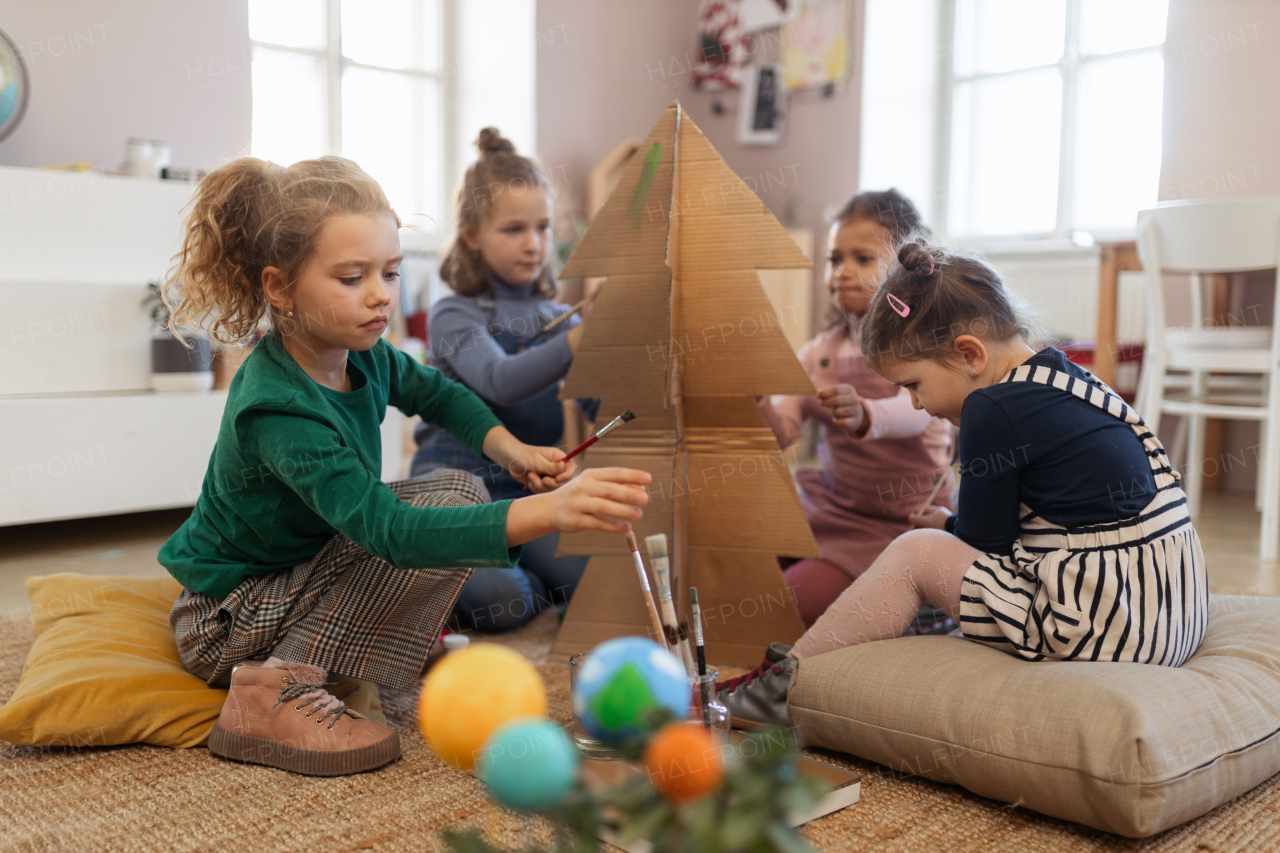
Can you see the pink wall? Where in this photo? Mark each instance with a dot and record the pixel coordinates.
(104, 70)
(1221, 127)
(1221, 117)
(607, 69)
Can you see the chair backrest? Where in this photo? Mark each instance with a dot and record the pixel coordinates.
(1213, 235)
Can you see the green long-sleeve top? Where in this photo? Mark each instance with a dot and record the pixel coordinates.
(296, 462)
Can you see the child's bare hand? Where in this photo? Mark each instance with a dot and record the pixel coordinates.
(933, 516)
(845, 405)
(607, 499)
(541, 469)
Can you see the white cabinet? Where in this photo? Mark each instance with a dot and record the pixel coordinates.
(81, 434)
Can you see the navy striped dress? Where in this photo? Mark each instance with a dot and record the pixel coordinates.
(1133, 590)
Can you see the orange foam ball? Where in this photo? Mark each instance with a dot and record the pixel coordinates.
(684, 762)
(472, 693)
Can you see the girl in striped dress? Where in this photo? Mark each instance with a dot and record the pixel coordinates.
(1071, 540)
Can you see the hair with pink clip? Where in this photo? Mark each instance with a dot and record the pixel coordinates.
(931, 297)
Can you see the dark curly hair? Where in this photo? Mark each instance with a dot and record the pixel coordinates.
(894, 212)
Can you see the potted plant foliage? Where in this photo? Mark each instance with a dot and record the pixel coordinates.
(180, 360)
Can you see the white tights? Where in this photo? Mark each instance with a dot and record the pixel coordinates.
(919, 566)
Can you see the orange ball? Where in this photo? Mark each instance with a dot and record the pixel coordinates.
(683, 761)
(472, 693)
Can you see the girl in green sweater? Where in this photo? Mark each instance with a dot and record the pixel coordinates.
(297, 560)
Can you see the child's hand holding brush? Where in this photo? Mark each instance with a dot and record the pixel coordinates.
(929, 515)
(540, 469)
(605, 499)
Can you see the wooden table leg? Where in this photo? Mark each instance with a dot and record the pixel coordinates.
(1214, 428)
(1104, 355)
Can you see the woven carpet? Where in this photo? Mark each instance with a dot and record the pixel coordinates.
(148, 798)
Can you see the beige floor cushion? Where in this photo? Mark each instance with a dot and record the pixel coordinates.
(1127, 748)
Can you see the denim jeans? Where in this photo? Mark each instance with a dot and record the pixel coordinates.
(498, 599)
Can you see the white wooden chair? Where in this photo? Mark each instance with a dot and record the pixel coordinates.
(1230, 372)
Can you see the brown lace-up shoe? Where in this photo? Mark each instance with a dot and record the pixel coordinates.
(282, 717)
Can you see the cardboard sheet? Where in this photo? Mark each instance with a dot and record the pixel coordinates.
(684, 335)
(745, 605)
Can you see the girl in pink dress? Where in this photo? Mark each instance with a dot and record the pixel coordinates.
(880, 457)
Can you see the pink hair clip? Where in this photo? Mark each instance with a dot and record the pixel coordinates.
(930, 272)
(895, 302)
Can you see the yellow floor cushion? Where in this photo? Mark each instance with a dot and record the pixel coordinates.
(1127, 748)
(104, 669)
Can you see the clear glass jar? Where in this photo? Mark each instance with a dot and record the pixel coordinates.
(704, 707)
(588, 745)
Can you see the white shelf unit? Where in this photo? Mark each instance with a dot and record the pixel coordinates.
(81, 433)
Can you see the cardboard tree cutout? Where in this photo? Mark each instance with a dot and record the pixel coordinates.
(684, 335)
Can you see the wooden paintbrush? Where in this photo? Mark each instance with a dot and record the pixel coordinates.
(937, 487)
(648, 594)
(657, 546)
(563, 318)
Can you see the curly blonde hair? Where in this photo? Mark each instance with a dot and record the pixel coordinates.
(500, 169)
(251, 214)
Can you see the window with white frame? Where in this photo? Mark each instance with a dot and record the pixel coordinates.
(1044, 114)
(358, 77)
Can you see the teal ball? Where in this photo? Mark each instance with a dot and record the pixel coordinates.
(529, 764)
(622, 682)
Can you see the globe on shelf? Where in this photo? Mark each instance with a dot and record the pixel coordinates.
(13, 86)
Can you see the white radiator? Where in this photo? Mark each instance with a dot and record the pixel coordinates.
(1062, 287)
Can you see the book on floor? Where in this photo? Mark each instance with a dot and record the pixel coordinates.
(846, 788)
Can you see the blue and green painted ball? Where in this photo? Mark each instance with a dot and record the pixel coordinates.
(622, 681)
(529, 764)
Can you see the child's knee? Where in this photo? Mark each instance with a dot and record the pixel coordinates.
(502, 615)
(478, 493)
(469, 488)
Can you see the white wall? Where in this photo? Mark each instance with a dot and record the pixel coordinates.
(104, 70)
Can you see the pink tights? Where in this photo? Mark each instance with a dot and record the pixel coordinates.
(815, 585)
(919, 566)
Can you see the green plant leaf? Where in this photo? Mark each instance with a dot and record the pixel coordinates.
(644, 823)
(467, 842)
(787, 840)
(742, 825)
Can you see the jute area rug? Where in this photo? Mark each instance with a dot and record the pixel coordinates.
(148, 798)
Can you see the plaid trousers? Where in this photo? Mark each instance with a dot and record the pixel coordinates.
(344, 610)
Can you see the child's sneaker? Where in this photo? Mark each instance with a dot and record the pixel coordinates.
(282, 717)
(930, 621)
(760, 696)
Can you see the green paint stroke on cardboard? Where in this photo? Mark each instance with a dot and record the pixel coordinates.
(651, 158)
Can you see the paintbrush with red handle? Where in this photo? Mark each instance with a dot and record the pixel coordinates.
(621, 419)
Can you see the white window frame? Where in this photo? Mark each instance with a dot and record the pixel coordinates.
(334, 63)
(1069, 66)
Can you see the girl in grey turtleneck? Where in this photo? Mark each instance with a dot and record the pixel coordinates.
(487, 337)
